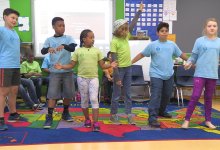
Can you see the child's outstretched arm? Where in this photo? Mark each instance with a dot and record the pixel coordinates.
(48, 50)
(67, 66)
(183, 56)
(137, 58)
(191, 61)
(136, 17)
(106, 66)
(71, 47)
(188, 63)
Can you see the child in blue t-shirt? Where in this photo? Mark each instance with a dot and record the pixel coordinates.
(205, 55)
(9, 66)
(161, 52)
(60, 47)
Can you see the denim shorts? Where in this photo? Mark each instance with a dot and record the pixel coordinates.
(61, 85)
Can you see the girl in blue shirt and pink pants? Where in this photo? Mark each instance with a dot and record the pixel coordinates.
(205, 55)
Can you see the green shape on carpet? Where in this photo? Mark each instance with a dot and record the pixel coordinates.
(40, 124)
(32, 117)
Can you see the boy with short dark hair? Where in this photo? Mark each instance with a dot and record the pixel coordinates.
(60, 47)
(161, 52)
(9, 66)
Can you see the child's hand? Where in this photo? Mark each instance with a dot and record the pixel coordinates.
(187, 65)
(31, 73)
(36, 74)
(114, 64)
(119, 83)
(58, 66)
(51, 50)
(141, 6)
(59, 48)
(110, 79)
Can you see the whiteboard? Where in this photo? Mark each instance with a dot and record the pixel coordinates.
(96, 15)
(136, 47)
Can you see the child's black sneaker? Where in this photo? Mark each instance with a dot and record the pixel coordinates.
(67, 117)
(165, 115)
(16, 118)
(154, 124)
(48, 122)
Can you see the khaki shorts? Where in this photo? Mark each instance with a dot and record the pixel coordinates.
(9, 77)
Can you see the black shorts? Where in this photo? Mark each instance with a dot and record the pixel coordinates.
(9, 77)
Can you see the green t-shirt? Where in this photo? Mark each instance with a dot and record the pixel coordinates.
(27, 67)
(121, 47)
(87, 59)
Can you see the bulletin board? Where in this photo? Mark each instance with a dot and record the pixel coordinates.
(150, 17)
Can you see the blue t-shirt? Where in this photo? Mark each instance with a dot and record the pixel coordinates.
(46, 62)
(63, 56)
(161, 54)
(9, 48)
(205, 55)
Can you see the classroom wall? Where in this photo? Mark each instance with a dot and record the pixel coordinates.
(24, 8)
(119, 11)
(190, 18)
(191, 15)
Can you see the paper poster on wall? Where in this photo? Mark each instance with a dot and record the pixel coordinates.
(173, 15)
(23, 24)
(170, 15)
(169, 10)
(169, 5)
(3, 5)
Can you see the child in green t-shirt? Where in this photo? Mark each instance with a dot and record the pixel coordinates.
(88, 59)
(122, 75)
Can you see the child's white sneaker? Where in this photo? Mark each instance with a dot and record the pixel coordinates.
(114, 119)
(131, 119)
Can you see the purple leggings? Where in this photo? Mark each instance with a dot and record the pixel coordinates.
(199, 84)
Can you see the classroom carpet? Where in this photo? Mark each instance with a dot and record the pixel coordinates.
(32, 132)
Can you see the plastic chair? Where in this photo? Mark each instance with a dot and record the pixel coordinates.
(184, 78)
(138, 78)
(218, 80)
